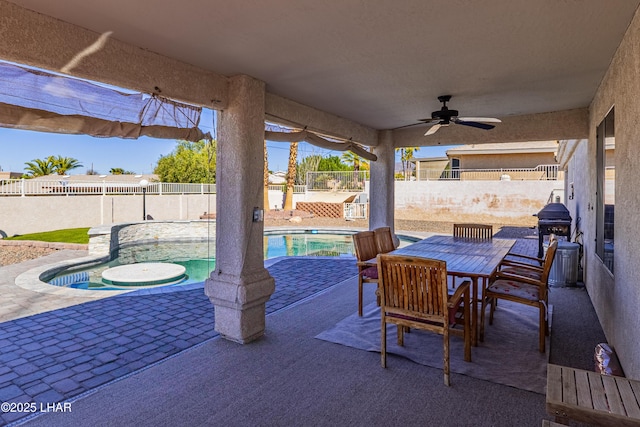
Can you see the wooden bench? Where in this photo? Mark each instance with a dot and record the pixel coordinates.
(589, 397)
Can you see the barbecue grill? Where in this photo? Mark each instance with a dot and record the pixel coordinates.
(554, 218)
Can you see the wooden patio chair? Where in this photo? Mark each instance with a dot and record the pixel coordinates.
(524, 289)
(414, 294)
(473, 231)
(384, 240)
(364, 243)
(524, 265)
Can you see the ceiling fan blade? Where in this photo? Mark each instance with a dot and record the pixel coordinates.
(430, 121)
(420, 122)
(479, 119)
(476, 124)
(433, 129)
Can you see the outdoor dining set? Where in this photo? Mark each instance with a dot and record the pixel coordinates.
(446, 283)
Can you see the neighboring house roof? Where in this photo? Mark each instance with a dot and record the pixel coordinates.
(506, 148)
(277, 178)
(10, 175)
(430, 159)
(96, 178)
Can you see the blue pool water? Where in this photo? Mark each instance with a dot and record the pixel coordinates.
(199, 258)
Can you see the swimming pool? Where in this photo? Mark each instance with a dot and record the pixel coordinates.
(198, 258)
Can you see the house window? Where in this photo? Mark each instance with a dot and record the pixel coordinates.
(455, 168)
(606, 178)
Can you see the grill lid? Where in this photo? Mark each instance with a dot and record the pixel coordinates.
(554, 211)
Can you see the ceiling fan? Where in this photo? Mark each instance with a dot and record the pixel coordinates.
(445, 116)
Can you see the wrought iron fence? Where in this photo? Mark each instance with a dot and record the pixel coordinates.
(337, 180)
(539, 173)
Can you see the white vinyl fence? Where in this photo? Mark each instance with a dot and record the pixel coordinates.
(32, 187)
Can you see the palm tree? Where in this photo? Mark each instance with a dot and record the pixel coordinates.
(357, 162)
(291, 176)
(63, 164)
(353, 159)
(406, 155)
(116, 171)
(40, 167)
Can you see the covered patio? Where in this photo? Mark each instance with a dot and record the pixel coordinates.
(289, 377)
(365, 75)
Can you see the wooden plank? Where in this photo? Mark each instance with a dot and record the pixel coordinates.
(583, 389)
(629, 398)
(635, 386)
(569, 386)
(597, 392)
(597, 399)
(632, 396)
(554, 383)
(613, 396)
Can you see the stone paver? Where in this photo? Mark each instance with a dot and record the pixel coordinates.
(17, 302)
(56, 355)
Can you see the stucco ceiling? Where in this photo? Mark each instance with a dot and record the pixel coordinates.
(381, 63)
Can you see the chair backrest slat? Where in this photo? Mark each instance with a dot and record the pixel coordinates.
(364, 244)
(413, 285)
(473, 231)
(384, 240)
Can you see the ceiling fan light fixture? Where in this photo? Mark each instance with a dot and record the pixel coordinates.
(445, 116)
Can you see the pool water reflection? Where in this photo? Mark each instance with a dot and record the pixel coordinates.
(199, 257)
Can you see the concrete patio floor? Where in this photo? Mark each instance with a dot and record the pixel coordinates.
(93, 351)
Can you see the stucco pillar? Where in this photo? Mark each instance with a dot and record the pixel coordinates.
(382, 185)
(240, 285)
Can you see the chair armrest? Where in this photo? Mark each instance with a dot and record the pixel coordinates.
(510, 263)
(532, 258)
(518, 278)
(369, 263)
(454, 300)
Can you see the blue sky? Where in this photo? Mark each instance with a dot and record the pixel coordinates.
(139, 156)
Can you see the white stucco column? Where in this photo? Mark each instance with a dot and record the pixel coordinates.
(382, 187)
(240, 285)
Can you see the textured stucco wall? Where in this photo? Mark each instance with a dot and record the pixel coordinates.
(382, 187)
(276, 199)
(616, 298)
(578, 197)
(511, 202)
(19, 215)
(534, 127)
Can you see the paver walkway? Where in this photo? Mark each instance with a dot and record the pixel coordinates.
(18, 302)
(53, 356)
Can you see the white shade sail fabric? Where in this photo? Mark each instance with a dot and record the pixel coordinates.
(38, 100)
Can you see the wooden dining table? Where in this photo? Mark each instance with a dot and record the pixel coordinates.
(474, 259)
